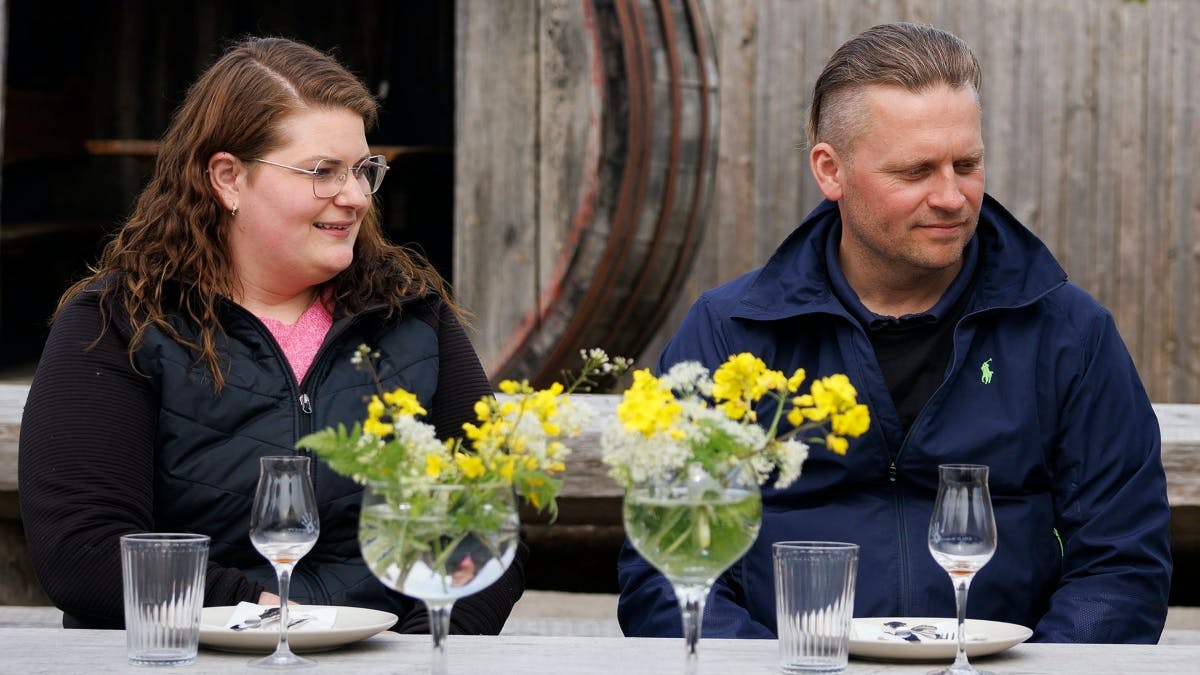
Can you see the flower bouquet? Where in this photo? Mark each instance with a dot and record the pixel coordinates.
(690, 452)
(439, 520)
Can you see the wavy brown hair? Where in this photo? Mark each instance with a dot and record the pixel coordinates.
(179, 231)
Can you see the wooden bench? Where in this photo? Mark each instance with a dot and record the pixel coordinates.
(578, 552)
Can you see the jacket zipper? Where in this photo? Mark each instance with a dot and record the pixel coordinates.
(304, 418)
(307, 392)
(893, 470)
(305, 421)
(902, 529)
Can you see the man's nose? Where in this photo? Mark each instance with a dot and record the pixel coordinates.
(946, 194)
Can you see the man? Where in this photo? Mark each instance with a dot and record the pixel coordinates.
(967, 343)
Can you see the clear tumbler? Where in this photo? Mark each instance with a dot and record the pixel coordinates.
(163, 576)
(814, 602)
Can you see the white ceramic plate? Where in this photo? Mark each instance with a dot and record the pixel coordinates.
(987, 637)
(351, 625)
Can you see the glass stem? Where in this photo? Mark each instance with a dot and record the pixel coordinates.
(284, 572)
(961, 585)
(439, 628)
(691, 605)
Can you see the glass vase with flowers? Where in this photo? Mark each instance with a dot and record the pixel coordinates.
(439, 518)
(690, 452)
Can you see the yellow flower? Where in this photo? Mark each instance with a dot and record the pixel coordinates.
(736, 409)
(768, 380)
(795, 417)
(434, 464)
(375, 408)
(739, 378)
(403, 403)
(745, 379)
(837, 444)
(854, 422)
(483, 409)
(471, 466)
(806, 409)
(506, 468)
(648, 406)
(797, 379)
(376, 428)
(834, 393)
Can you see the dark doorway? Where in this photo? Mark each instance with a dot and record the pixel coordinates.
(82, 73)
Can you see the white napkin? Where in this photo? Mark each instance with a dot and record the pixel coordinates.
(320, 618)
(942, 631)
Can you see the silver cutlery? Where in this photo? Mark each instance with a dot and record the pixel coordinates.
(267, 616)
(269, 620)
(915, 633)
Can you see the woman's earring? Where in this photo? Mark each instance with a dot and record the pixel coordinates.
(233, 211)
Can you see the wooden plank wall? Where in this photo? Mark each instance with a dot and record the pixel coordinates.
(1092, 110)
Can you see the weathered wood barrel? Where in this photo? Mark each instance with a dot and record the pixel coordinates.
(624, 148)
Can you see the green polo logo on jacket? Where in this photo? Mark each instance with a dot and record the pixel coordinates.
(985, 372)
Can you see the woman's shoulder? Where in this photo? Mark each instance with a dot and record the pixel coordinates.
(85, 305)
(429, 307)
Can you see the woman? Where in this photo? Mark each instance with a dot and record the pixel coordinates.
(218, 328)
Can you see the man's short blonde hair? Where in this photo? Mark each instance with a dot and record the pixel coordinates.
(909, 55)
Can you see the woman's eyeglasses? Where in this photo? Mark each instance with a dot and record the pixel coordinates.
(329, 175)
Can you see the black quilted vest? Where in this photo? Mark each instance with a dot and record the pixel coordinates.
(206, 466)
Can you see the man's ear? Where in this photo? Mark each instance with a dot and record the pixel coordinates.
(829, 170)
(224, 174)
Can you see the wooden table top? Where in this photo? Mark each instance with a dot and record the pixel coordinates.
(54, 650)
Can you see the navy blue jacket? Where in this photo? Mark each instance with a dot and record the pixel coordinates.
(1064, 423)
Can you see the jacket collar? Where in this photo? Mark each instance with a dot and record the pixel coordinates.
(1014, 268)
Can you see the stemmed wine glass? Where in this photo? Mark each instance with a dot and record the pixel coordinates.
(438, 543)
(283, 527)
(692, 529)
(962, 539)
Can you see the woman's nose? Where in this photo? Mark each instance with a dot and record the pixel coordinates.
(353, 195)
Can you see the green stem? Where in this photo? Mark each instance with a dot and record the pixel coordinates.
(779, 399)
(443, 554)
(668, 525)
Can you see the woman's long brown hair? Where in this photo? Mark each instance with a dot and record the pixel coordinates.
(178, 231)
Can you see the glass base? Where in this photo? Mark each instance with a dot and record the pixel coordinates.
(800, 666)
(960, 670)
(286, 660)
(163, 657)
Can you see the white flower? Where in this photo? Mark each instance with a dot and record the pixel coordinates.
(689, 379)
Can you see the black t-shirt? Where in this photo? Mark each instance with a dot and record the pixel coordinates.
(912, 350)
